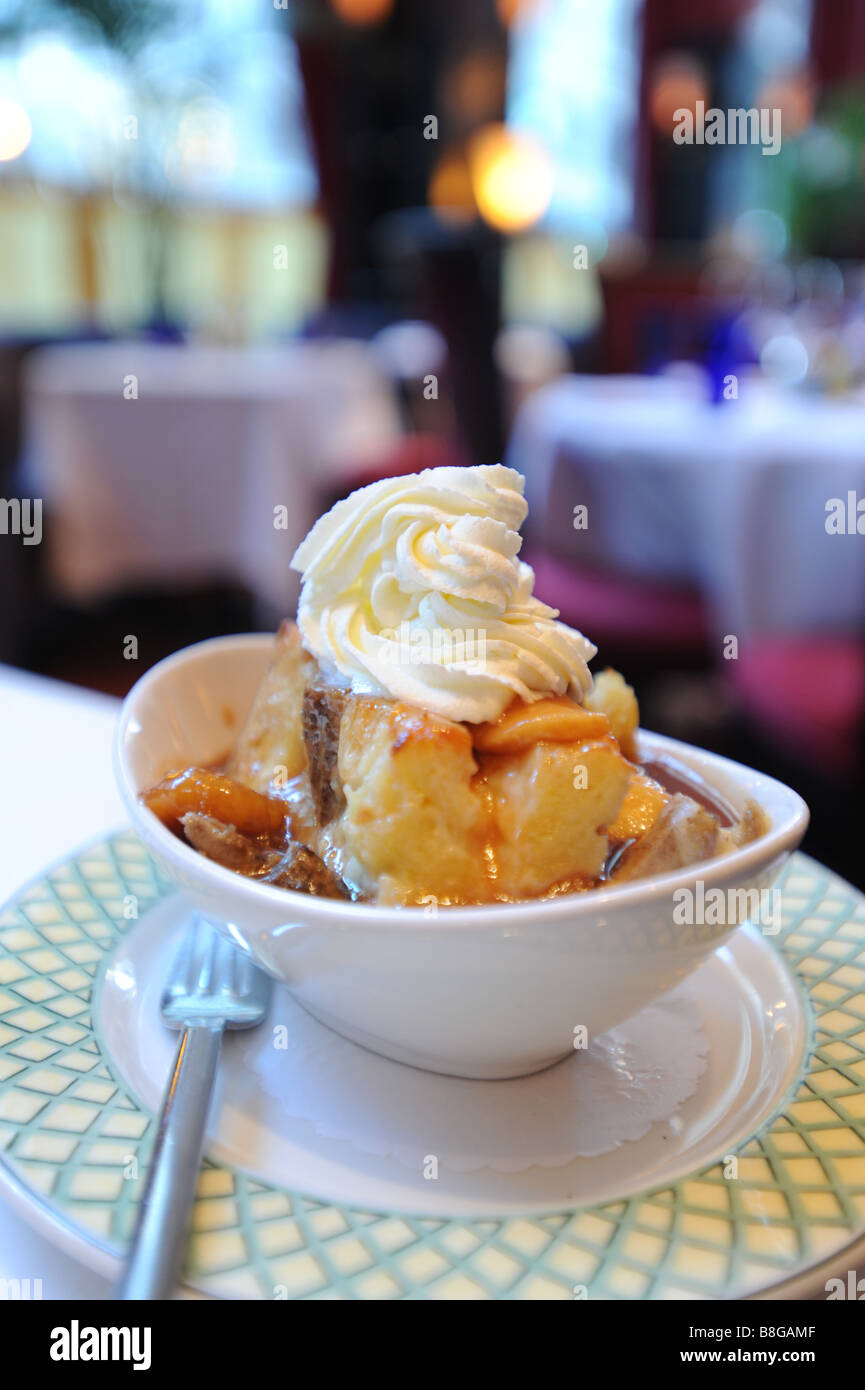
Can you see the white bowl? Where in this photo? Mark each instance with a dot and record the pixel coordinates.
(470, 991)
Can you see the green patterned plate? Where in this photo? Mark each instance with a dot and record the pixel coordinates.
(74, 1140)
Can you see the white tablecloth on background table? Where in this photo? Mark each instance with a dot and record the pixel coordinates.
(57, 793)
(180, 483)
(730, 497)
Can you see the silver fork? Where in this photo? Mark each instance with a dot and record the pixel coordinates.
(211, 987)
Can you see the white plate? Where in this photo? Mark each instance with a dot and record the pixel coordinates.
(285, 1211)
(329, 1118)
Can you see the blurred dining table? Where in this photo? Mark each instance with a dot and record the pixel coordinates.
(728, 497)
(173, 463)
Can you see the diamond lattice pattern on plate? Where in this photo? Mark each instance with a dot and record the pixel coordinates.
(73, 1134)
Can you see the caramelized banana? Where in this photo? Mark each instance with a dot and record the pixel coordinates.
(554, 720)
(212, 794)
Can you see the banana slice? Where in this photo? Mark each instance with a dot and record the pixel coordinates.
(555, 720)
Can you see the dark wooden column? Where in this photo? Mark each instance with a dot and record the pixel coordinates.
(368, 92)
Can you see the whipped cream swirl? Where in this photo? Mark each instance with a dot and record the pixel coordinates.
(413, 589)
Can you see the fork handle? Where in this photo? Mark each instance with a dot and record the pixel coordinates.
(159, 1241)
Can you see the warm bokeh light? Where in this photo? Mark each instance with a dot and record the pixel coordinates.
(474, 88)
(512, 178)
(362, 12)
(15, 130)
(793, 95)
(450, 193)
(678, 82)
(509, 11)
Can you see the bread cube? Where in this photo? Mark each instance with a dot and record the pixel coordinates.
(551, 806)
(611, 695)
(270, 748)
(413, 826)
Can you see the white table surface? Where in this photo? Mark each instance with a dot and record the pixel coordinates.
(57, 793)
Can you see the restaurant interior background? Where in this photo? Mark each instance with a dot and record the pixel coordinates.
(254, 253)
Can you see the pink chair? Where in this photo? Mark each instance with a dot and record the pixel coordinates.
(806, 694)
(411, 454)
(618, 610)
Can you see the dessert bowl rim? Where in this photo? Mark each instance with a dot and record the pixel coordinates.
(591, 903)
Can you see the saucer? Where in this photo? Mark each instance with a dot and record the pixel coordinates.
(711, 1147)
(299, 1105)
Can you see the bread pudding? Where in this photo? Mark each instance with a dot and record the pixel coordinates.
(428, 732)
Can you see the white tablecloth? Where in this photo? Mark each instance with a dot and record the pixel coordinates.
(180, 483)
(57, 793)
(730, 497)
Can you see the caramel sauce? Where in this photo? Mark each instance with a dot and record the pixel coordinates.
(489, 852)
(676, 778)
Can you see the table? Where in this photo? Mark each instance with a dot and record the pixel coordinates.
(729, 497)
(162, 463)
(58, 793)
